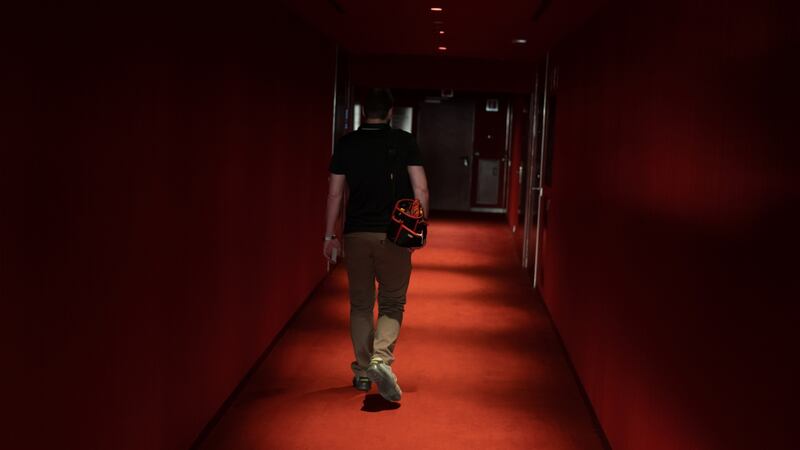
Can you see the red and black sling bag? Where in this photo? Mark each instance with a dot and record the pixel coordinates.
(407, 226)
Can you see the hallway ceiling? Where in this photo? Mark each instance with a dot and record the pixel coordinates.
(472, 28)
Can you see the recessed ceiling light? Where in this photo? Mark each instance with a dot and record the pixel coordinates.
(441, 48)
(437, 9)
(519, 41)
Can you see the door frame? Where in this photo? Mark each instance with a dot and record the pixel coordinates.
(532, 172)
(505, 160)
(537, 260)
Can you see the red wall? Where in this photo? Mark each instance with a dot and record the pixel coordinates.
(672, 231)
(163, 187)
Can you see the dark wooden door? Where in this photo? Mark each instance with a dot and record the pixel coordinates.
(444, 134)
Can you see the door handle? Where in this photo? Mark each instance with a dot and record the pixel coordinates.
(466, 161)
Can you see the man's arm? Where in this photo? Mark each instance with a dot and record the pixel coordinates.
(420, 185)
(335, 194)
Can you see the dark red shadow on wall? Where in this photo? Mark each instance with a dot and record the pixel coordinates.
(672, 241)
(163, 183)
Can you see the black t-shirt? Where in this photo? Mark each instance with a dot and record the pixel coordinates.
(367, 157)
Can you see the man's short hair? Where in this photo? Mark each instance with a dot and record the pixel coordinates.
(378, 103)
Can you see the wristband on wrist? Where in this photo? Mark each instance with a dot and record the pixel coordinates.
(329, 237)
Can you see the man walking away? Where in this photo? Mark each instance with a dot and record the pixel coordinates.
(364, 160)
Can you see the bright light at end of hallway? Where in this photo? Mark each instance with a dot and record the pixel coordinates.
(441, 48)
(436, 9)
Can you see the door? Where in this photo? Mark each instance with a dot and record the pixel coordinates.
(544, 172)
(444, 135)
(490, 154)
(532, 172)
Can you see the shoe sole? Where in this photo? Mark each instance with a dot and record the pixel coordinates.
(363, 388)
(387, 383)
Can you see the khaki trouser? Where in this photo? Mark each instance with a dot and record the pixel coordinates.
(370, 256)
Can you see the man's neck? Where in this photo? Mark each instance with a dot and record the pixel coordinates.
(376, 121)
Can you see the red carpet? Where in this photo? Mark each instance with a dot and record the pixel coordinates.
(479, 364)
